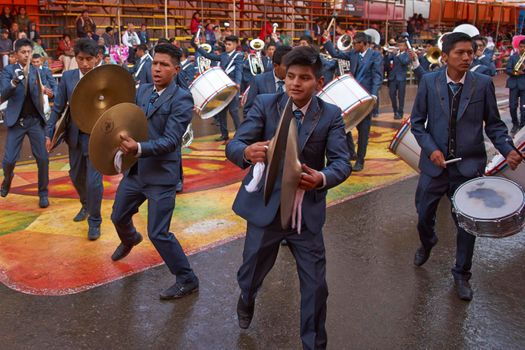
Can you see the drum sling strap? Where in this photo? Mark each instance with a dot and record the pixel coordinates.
(230, 67)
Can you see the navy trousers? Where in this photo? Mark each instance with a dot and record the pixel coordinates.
(86, 179)
(396, 90)
(429, 192)
(517, 100)
(260, 251)
(363, 131)
(33, 127)
(233, 107)
(131, 193)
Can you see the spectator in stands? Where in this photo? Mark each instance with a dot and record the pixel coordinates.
(101, 52)
(209, 34)
(21, 35)
(14, 31)
(6, 18)
(12, 58)
(65, 53)
(39, 49)
(266, 29)
(107, 59)
(22, 20)
(109, 37)
(6, 46)
(131, 40)
(195, 22)
(85, 24)
(32, 34)
(175, 42)
(143, 35)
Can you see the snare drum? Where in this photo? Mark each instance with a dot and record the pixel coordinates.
(498, 165)
(490, 207)
(405, 146)
(346, 93)
(212, 91)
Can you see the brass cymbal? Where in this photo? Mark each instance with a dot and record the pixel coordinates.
(60, 128)
(292, 170)
(100, 89)
(121, 119)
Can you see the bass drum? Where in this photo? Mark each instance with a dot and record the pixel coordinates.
(346, 93)
(212, 91)
(405, 146)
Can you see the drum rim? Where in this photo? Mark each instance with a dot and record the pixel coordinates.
(502, 164)
(202, 74)
(353, 106)
(401, 132)
(208, 99)
(490, 178)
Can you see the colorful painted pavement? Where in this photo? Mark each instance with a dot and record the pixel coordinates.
(42, 251)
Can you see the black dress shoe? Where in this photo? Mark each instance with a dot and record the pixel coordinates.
(179, 187)
(398, 116)
(123, 249)
(284, 242)
(43, 202)
(421, 256)
(179, 289)
(222, 138)
(358, 166)
(245, 313)
(81, 216)
(515, 129)
(463, 289)
(93, 233)
(6, 186)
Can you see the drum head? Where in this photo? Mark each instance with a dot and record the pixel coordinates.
(218, 102)
(488, 198)
(358, 112)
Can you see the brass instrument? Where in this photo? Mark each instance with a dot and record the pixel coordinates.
(433, 56)
(255, 59)
(391, 49)
(274, 26)
(344, 43)
(203, 63)
(518, 67)
(374, 34)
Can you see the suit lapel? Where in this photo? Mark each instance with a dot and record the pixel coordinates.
(442, 89)
(310, 121)
(466, 93)
(162, 98)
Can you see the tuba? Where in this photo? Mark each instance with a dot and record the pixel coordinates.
(202, 62)
(433, 56)
(255, 59)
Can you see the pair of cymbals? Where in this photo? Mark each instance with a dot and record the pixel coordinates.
(100, 89)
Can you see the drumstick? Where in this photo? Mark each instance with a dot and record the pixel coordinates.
(515, 148)
(455, 160)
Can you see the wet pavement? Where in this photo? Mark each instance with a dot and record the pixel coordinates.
(378, 298)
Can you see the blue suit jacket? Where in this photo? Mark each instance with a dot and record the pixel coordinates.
(430, 122)
(48, 80)
(16, 95)
(322, 145)
(368, 73)
(399, 70)
(186, 75)
(484, 66)
(514, 81)
(168, 118)
(328, 70)
(224, 59)
(247, 76)
(66, 86)
(144, 76)
(261, 84)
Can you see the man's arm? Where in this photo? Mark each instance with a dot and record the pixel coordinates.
(377, 78)
(418, 119)
(252, 94)
(178, 120)
(51, 81)
(494, 127)
(404, 59)
(58, 107)
(6, 87)
(209, 55)
(238, 68)
(510, 66)
(334, 53)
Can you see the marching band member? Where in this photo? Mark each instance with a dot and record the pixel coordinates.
(45, 75)
(323, 138)
(168, 108)
(231, 61)
(86, 179)
(329, 66)
(366, 67)
(141, 71)
(187, 69)
(21, 86)
(269, 82)
(397, 65)
(482, 63)
(516, 86)
(451, 107)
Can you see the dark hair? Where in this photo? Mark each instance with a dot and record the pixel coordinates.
(280, 52)
(35, 55)
(170, 50)
(106, 55)
(22, 42)
(361, 36)
(184, 52)
(304, 56)
(452, 39)
(522, 42)
(232, 38)
(162, 41)
(86, 46)
(307, 38)
(142, 47)
(109, 29)
(101, 49)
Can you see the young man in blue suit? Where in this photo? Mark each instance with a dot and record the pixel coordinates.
(45, 74)
(24, 116)
(187, 70)
(268, 82)
(231, 61)
(397, 77)
(142, 69)
(366, 66)
(324, 156)
(451, 107)
(516, 86)
(168, 108)
(86, 179)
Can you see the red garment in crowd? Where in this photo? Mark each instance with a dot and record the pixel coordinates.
(264, 33)
(194, 25)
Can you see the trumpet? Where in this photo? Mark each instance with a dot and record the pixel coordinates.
(433, 56)
(203, 63)
(255, 60)
(519, 65)
(390, 49)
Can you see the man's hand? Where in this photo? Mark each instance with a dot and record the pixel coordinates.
(256, 152)
(48, 144)
(514, 159)
(438, 159)
(48, 92)
(310, 179)
(128, 145)
(326, 36)
(196, 41)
